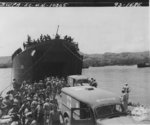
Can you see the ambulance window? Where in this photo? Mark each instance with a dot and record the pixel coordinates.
(109, 111)
(83, 105)
(81, 114)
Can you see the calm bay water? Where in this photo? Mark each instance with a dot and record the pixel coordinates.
(5, 79)
(111, 78)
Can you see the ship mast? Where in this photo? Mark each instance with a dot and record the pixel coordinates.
(57, 30)
(57, 36)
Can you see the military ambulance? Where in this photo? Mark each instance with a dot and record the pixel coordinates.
(77, 80)
(86, 105)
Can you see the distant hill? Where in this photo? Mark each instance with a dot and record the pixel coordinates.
(5, 62)
(96, 60)
(124, 58)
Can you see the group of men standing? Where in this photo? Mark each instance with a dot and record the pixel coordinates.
(93, 82)
(34, 103)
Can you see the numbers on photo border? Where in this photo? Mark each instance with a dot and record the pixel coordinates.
(133, 4)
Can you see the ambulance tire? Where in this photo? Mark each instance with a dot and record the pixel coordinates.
(67, 121)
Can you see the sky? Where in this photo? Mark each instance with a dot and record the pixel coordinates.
(97, 30)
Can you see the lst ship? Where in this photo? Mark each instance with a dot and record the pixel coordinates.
(45, 56)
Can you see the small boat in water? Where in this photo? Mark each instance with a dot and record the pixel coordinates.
(143, 65)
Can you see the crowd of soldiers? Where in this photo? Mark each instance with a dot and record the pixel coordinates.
(33, 103)
(37, 103)
(30, 42)
(46, 38)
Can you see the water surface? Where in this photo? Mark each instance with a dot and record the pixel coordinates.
(113, 78)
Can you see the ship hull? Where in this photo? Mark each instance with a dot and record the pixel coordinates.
(46, 59)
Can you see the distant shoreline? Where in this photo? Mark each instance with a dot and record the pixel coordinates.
(5, 62)
(100, 60)
(111, 59)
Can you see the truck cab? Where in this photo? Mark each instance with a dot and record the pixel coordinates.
(86, 105)
(78, 80)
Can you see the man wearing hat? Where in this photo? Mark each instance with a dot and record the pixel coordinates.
(16, 85)
(15, 108)
(125, 100)
(126, 90)
(23, 85)
(55, 116)
(34, 105)
(40, 113)
(6, 102)
(24, 109)
(93, 82)
(41, 84)
(47, 107)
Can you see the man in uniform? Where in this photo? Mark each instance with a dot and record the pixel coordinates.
(125, 100)
(15, 108)
(93, 83)
(16, 85)
(126, 90)
(7, 104)
(55, 116)
(24, 109)
(34, 104)
(40, 113)
(47, 107)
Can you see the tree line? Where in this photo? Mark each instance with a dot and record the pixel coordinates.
(107, 59)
